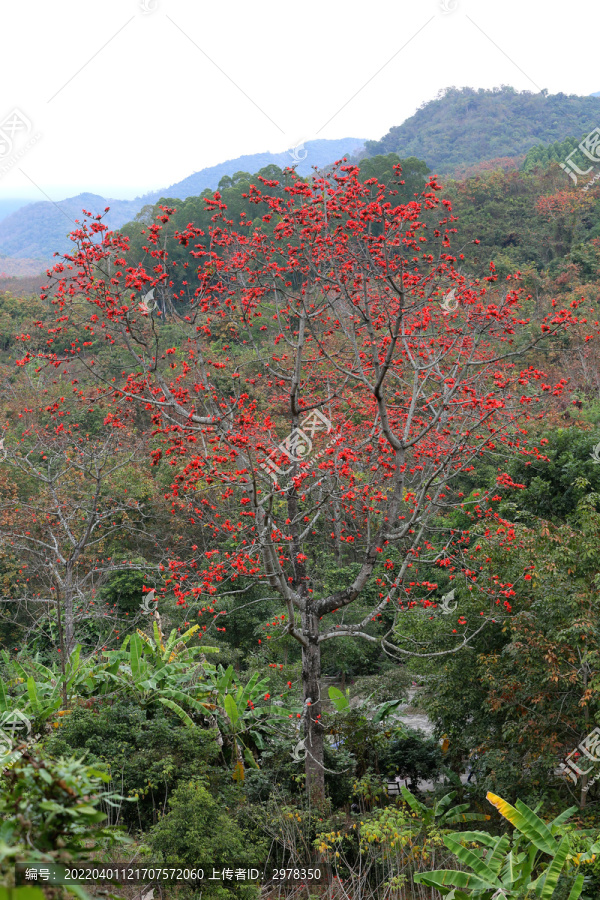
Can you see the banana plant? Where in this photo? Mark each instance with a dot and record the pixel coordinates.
(161, 652)
(441, 814)
(241, 718)
(154, 673)
(499, 869)
(39, 691)
(339, 700)
(384, 710)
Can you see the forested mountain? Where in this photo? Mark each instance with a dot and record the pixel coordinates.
(317, 153)
(464, 126)
(11, 204)
(39, 229)
(461, 128)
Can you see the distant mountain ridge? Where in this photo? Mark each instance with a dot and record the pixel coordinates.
(39, 229)
(312, 153)
(461, 128)
(10, 204)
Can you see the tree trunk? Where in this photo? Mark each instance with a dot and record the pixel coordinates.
(61, 639)
(69, 615)
(313, 729)
(584, 790)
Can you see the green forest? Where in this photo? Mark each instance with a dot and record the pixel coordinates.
(300, 537)
(465, 126)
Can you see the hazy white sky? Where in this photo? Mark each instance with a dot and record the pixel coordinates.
(126, 96)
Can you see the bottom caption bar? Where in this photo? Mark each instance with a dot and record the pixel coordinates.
(119, 874)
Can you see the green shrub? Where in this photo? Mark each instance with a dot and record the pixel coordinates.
(352, 729)
(22, 893)
(200, 831)
(50, 812)
(146, 753)
(415, 756)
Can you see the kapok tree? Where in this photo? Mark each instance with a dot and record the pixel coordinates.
(320, 381)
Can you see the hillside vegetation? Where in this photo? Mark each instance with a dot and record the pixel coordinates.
(464, 126)
(278, 460)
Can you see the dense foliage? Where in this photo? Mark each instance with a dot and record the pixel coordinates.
(153, 626)
(464, 126)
